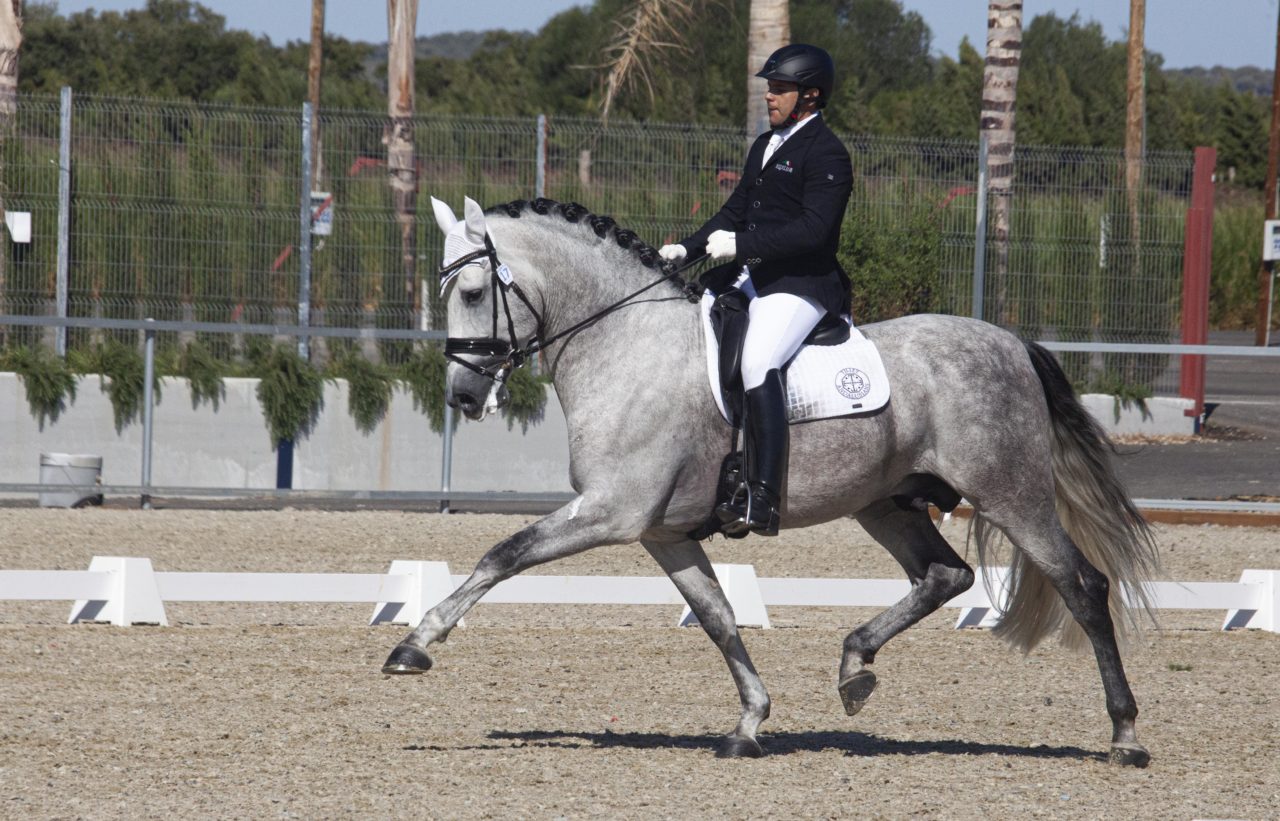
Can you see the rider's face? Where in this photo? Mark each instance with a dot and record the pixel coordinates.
(782, 98)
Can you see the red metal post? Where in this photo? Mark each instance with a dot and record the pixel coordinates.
(1197, 254)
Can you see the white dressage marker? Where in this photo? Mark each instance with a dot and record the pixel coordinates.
(426, 585)
(742, 589)
(126, 591)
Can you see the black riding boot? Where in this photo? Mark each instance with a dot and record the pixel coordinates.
(765, 445)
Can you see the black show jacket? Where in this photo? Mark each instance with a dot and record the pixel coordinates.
(787, 216)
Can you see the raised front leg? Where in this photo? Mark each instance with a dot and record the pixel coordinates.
(937, 575)
(577, 526)
(686, 563)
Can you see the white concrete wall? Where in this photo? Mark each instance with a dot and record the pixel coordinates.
(198, 447)
(1163, 416)
(231, 447)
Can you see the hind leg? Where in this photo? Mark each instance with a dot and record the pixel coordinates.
(1084, 589)
(937, 575)
(686, 563)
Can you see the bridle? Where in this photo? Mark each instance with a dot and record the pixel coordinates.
(508, 353)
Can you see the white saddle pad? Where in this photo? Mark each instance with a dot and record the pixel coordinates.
(822, 380)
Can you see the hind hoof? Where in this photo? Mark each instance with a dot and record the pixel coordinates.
(406, 660)
(855, 690)
(1129, 755)
(736, 746)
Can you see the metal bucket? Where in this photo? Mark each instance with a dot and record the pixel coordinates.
(80, 471)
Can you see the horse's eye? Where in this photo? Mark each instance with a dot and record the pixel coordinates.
(472, 296)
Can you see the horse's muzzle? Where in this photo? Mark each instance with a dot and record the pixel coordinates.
(477, 400)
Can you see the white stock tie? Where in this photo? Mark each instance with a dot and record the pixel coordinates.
(774, 142)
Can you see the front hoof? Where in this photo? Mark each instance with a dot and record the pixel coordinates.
(1129, 755)
(736, 746)
(855, 690)
(406, 660)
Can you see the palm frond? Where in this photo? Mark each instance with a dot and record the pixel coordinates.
(649, 29)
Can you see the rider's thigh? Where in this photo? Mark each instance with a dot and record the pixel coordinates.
(779, 324)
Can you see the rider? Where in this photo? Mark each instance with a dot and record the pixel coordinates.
(781, 228)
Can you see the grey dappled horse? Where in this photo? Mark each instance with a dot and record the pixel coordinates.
(973, 410)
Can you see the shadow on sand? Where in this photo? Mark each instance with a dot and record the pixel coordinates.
(850, 743)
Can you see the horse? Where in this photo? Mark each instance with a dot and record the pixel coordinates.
(974, 413)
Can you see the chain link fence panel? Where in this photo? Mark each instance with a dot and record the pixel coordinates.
(184, 211)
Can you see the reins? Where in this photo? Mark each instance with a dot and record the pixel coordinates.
(513, 356)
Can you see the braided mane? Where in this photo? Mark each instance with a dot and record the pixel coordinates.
(604, 227)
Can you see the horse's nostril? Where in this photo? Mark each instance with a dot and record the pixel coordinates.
(465, 401)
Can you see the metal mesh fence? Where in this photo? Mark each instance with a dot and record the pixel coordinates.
(192, 212)
(1089, 262)
(28, 273)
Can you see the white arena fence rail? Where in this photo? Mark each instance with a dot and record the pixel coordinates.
(126, 591)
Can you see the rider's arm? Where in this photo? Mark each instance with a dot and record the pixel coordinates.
(734, 211)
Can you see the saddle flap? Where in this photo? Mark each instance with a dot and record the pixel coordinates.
(729, 318)
(822, 381)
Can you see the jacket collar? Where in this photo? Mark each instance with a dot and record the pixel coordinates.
(792, 144)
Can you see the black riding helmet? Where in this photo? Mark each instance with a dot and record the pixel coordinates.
(806, 66)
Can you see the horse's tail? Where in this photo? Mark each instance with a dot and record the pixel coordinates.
(1097, 514)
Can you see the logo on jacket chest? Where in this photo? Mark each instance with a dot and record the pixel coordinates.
(784, 166)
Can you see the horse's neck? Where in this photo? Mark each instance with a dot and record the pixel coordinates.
(641, 360)
(575, 280)
(654, 341)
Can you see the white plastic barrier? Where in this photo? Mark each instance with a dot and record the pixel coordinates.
(126, 591)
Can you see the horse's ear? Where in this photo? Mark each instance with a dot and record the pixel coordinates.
(474, 215)
(444, 215)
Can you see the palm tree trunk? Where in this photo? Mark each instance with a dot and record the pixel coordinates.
(402, 17)
(999, 97)
(770, 30)
(319, 345)
(10, 42)
(1135, 115)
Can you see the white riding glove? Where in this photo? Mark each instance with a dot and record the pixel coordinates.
(722, 245)
(673, 253)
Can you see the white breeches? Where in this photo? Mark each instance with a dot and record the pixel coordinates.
(779, 323)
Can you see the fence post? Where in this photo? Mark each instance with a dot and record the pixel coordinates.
(980, 230)
(64, 218)
(304, 238)
(148, 409)
(1197, 253)
(540, 173)
(446, 457)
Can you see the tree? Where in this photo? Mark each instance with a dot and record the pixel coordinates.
(883, 46)
(315, 65)
(641, 36)
(402, 18)
(1135, 115)
(1050, 113)
(769, 30)
(10, 42)
(999, 99)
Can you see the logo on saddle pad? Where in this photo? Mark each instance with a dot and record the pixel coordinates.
(785, 166)
(853, 383)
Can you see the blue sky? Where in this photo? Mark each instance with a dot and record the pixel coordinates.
(1187, 32)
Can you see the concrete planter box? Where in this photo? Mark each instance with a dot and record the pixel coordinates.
(1162, 416)
(230, 447)
(200, 447)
